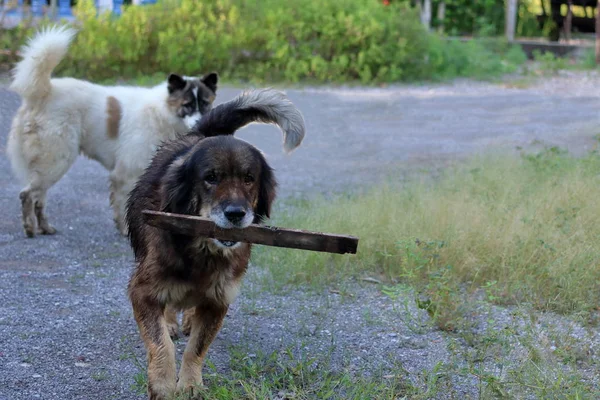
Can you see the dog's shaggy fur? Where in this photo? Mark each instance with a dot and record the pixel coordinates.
(212, 174)
(119, 126)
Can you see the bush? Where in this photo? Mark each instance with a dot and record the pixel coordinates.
(269, 40)
(466, 17)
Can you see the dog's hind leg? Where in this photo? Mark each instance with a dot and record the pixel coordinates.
(40, 160)
(44, 225)
(33, 197)
(149, 315)
(28, 212)
(32, 206)
(206, 322)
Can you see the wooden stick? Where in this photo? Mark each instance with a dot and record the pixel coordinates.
(191, 225)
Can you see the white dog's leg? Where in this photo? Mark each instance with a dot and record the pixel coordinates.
(39, 206)
(33, 203)
(120, 186)
(27, 209)
(41, 160)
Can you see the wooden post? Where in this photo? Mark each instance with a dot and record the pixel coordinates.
(569, 20)
(511, 19)
(598, 32)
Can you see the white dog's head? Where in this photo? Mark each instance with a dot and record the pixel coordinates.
(190, 98)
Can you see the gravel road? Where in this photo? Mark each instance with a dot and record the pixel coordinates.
(66, 329)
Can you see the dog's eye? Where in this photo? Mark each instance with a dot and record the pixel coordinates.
(189, 104)
(210, 178)
(248, 179)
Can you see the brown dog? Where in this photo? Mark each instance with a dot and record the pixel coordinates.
(211, 174)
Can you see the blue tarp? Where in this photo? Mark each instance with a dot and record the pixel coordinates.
(63, 7)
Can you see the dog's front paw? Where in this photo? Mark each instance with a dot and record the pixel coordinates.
(152, 395)
(162, 391)
(190, 391)
(155, 396)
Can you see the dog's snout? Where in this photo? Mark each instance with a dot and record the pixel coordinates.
(234, 213)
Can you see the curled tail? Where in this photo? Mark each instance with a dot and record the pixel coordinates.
(266, 105)
(43, 52)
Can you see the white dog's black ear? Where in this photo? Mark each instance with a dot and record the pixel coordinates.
(176, 82)
(210, 80)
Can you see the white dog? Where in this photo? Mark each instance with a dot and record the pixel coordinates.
(120, 126)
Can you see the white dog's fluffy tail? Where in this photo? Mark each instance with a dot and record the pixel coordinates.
(43, 52)
(267, 106)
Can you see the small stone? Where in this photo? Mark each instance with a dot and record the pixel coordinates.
(36, 376)
(82, 364)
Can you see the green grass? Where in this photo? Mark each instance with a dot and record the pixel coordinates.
(281, 375)
(516, 229)
(499, 362)
(512, 361)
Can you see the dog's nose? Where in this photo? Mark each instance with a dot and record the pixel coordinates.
(235, 213)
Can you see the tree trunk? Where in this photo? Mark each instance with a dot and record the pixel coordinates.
(426, 13)
(511, 19)
(543, 4)
(569, 20)
(598, 32)
(441, 15)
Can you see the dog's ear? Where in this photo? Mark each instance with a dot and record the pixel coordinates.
(210, 80)
(266, 192)
(177, 189)
(175, 82)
